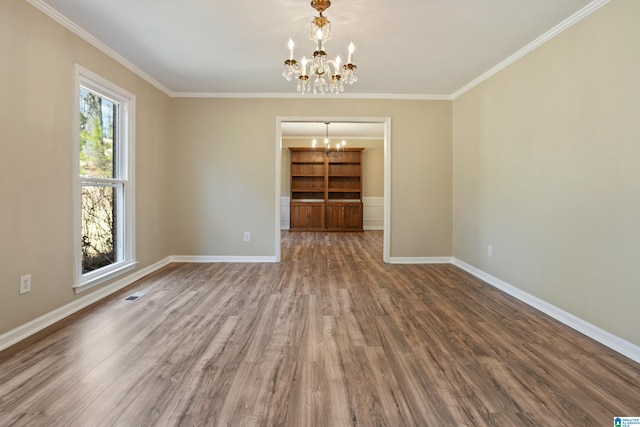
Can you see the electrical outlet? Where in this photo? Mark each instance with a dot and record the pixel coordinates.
(247, 236)
(25, 284)
(490, 250)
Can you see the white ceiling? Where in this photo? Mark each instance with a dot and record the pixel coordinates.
(408, 47)
(337, 130)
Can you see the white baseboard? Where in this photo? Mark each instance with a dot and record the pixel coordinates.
(615, 343)
(214, 259)
(36, 325)
(371, 227)
(420, 260)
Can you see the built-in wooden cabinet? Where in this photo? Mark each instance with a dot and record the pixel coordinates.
(326, 189)
(344, 216)
(307, 215)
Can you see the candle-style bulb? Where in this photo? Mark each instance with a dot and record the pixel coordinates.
(352, 49)
(290, 44)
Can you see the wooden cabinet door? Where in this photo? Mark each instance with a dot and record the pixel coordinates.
(344, 216)
(307, 216)
(315, 215)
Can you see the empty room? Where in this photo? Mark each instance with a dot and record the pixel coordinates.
(315, 213)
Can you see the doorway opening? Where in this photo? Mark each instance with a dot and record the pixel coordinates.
(306, 125)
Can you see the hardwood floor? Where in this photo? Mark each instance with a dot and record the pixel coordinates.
(331, 336)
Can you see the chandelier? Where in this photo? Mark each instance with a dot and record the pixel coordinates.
(326, 74)
(327, 143)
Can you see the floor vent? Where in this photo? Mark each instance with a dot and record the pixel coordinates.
(134, 296)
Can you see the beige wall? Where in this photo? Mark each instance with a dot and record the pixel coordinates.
(372, 164)
(546, 170)
(36, 214)
(225, 170)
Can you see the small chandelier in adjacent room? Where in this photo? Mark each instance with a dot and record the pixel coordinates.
(327, 143)
(327, 74)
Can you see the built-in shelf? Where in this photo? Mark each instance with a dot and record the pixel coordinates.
(326, 189)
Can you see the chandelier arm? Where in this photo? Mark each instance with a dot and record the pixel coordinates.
(296, 68)
(336, 67)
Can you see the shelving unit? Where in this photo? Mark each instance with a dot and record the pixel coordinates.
(326, 189)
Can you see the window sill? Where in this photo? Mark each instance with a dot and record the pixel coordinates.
(102, 278)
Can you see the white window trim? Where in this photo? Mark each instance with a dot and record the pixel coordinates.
(90, 80)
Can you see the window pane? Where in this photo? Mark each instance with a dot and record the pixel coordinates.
(99, 216)
(97, 135)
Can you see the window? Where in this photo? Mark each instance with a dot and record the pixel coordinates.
(104, 220)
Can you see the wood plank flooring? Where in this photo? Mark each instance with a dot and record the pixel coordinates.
(331, 336)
